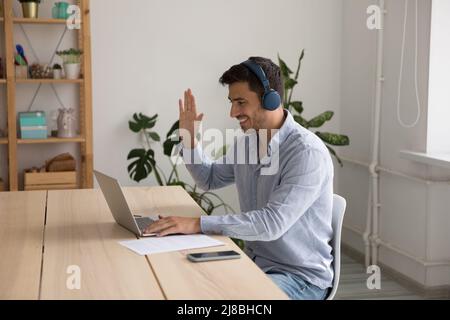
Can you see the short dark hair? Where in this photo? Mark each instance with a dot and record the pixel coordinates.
(240, 73)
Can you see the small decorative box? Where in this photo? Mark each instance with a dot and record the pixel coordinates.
(33, 125)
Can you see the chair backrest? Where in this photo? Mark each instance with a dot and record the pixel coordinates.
(339, 205)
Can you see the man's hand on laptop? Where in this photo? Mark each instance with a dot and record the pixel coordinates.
(172, 225)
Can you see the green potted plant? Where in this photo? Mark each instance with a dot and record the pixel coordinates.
(72, 62)
(30, 8)
(57, 71)
(296, 108)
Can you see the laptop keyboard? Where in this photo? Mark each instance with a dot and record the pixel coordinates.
(144, 222)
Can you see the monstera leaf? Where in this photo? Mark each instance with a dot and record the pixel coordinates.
(172, 139)
(142, 122)
(143, 164)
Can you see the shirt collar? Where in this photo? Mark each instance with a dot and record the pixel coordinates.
(281, 134)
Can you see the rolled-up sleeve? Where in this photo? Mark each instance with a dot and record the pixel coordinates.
(301, 183)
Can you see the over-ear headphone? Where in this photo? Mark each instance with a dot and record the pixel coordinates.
(271, 99)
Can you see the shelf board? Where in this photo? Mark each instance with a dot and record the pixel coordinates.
(37, 81)
(50, 140)
(3, 141)
(2, 80)
(38, 21)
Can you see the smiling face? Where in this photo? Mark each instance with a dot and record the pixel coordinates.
(246, 107)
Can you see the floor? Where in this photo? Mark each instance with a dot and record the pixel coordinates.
(352, 285)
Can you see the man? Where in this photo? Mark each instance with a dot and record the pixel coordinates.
(286, 216)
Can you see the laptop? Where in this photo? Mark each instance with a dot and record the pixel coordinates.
(119, 207)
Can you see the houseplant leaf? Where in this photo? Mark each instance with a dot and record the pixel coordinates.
(146, 122)
(172, 130)
(334, 139)
(302, 55)
(318, 121)
(301, 121)
(335, 155)
(298, 106)
(143, 165)
(172, 139)
(134, 126)
(285, 71)
(145, 118)
(142, 122)
(289, 84)
(154, 136)
(168, 146)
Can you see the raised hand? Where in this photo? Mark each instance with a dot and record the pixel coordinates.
(189, 120)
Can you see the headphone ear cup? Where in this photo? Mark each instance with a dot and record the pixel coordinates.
(271, 100)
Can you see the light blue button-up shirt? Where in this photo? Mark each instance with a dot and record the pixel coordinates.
(286, 215)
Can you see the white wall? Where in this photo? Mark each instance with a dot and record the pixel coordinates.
(414, 211)
(145, 53)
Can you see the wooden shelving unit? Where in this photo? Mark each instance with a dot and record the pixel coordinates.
(38, 21)
(48, 81)
(85, 94)
(51, 140)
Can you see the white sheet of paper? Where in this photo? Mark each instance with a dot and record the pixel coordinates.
(146, 246)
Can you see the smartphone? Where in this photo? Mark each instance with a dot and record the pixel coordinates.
(210, 256)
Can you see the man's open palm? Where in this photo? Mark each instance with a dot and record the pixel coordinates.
(189, 119)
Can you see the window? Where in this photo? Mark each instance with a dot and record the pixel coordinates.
(438, 137)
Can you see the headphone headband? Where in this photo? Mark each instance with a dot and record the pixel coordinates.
(271, 99)
(259, 73)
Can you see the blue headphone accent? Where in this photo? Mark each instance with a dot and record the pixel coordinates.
(271, 99)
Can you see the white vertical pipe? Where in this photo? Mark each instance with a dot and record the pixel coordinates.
(373, 168)
(367, 232)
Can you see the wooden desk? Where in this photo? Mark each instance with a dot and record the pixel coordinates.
(182, 279)
(81, 231)
(21, 234)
